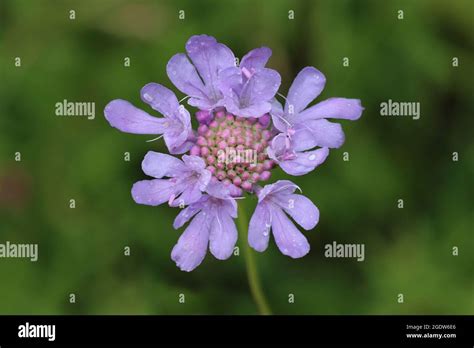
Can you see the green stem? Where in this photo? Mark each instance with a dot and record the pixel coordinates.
(251, 266)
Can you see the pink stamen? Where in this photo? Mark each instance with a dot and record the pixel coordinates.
(220, 175)
(268, 164)
(222, 145)
(171, 200)
(237, 181)
(202, 129)
(220, 115)
(247, 73)
(225, 133)
(266, 134)
(201, 141)
(246, 185)
(195, 151)
(211, 160)
(265, 176)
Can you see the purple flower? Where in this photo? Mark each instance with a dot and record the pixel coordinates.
(197, 73)
(175, 125)
(187, 180)
(274, 202)
(242, 133)
(291, 154)
(213, 225)
(254, 61)
(249, 88)
(248, 95)
(304, 128)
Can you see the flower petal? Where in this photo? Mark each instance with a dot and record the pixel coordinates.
(152, 192)
(344, 108)
(259, 228)
(191, 248)
(303, 139)
(256, 59)
(288, 238)
(194, 162)
(190, 194)
(250, 98)
(300, 208)
(307, 85)
(185, 77)
(218, 190)
(160, 99)
(223, 235)
(159, 165)
(178, 134)
(278, 117)
(186, 214)
(304, 162)
(198, 165)
(127, 118)
(279, 187)
(261, 87)
(209, 57)
(178, 149)
(320, 133)
(230, 81)
(278, 146)
(256, 110)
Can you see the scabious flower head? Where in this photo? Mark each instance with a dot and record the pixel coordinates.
(242, 134)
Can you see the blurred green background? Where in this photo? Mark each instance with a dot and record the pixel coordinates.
(81, 250)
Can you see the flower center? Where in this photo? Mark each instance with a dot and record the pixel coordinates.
(234, 148)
